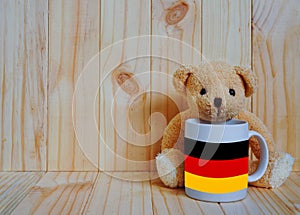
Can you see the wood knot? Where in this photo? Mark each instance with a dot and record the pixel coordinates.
(126, 81)
(176, 13)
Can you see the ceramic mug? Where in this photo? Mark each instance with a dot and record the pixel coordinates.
(216, 160)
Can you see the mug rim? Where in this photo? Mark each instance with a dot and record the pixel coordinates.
(231, 122)
(233, 130)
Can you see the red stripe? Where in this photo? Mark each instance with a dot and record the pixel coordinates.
(216, 168)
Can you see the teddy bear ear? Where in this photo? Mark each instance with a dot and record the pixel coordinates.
(249, 79)
(181, 76)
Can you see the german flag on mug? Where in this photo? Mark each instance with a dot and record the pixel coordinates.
(216, 168)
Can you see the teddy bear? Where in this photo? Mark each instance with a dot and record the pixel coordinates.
(217, 92)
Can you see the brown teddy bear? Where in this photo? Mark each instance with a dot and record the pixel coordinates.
(216, 92)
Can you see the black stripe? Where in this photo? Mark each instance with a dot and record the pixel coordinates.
(215, 151)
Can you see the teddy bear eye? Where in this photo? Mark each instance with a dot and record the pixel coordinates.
(232, 92)
(203, 91)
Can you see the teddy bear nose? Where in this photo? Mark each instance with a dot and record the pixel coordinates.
(218, 102)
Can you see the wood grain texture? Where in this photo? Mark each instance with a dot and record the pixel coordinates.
(174, 201)
(23, 82)
(176, 30)
(14, 187)
(112, 195)
(102, 193)
(255, 203)
(73, 41)
(58, 193)
(125, 80)
(38, 75)
(276, 51)
(272, 203)
(226, 32)
(284, 200)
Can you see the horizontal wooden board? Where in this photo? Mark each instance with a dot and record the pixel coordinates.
(58, 193)
(283, 200)
(114, 195)
(174, 201)
(14, 187)
(122, 192)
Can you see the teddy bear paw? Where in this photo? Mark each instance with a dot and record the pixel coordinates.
(279, 168)
(169, 164)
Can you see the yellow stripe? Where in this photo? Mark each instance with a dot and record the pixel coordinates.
(215, 185)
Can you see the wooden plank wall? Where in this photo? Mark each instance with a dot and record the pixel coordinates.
(226, 32)
(39, 70)
(276, 52)
(23, 84)
(177, 29)
(73, 41)
(124, 107)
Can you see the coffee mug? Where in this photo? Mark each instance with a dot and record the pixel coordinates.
(216, 160)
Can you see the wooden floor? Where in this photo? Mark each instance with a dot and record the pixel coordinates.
(100, 193)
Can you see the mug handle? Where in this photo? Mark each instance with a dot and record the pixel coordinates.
(264, 157)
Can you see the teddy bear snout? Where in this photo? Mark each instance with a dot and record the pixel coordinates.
(217, 102)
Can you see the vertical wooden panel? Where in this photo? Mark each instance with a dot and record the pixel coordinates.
(125, 65)
(176, 29)
(23, 81)
(276, 52)
(226, 33)
(73, 41)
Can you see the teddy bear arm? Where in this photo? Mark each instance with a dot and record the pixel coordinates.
(169, 162)
(174, 131)
(257, 125)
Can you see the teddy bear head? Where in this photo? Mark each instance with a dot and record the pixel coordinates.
(215, 91)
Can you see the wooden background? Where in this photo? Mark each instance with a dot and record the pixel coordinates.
(45, 46)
